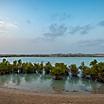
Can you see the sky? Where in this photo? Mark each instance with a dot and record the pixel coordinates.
(51, 26)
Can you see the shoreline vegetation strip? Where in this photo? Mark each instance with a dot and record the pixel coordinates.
(58, 71)
(52, 55)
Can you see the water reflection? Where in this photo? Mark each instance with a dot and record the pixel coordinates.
(58, 86)
(44, 83)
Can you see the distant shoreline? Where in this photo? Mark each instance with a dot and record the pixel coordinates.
(51, 55)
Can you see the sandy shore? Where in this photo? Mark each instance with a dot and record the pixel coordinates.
(14, 96)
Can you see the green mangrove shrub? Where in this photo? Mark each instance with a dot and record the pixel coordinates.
(48, 68)
(86, 71)
(74, 70)
(59, 71)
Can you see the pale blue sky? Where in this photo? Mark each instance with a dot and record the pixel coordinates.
(51, 26)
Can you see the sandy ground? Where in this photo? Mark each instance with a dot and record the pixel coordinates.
(14, 96)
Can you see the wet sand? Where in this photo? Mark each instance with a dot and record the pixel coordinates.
(14, 96)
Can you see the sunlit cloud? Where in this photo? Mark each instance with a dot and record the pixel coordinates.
(7, 26)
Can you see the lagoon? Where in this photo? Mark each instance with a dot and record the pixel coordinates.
(45, 83)
(66, 60)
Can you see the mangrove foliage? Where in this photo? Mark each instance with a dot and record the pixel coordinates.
(95, 70)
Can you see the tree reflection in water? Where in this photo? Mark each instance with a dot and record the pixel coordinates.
(58, 86)
(45, 83)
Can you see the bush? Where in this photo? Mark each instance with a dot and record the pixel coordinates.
(74, 70)
(59, 70)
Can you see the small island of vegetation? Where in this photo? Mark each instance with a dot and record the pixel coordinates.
(58, 71)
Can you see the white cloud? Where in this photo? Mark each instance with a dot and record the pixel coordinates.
(6, 26)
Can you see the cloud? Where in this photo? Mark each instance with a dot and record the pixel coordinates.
(74, 30)
(60, 16)
(38, 45)
(96, 42)
(87, 46)
(80, 29)
(28, 21)
(59, 30)
(28, 45)
(7, 26)
(101, 23)
(55, 31)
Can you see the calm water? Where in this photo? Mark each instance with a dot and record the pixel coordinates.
(66, 60)
(45, 83)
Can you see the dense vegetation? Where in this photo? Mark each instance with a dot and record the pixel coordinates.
(52, 55)
(95, 71)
